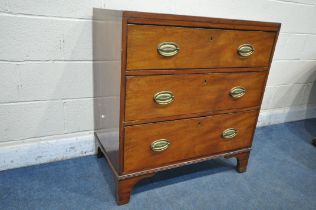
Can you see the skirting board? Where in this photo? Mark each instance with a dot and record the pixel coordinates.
(17, 154)
(44, 150)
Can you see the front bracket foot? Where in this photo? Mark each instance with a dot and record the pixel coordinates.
(124, 188)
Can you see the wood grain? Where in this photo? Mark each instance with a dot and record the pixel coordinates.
(192, 71)
(200, 75)
(124, 188)
(122, 94)
(194, 93)
(194, 21)
(182, 163)
(199, 48)
(189, 138)
(191, 115)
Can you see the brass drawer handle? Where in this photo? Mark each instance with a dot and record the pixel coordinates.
(237, 92)
(168, 49)
(160, 145)
(164, 97)
(229, 133)
(245, 50)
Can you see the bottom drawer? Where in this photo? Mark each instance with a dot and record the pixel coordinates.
(158, 144)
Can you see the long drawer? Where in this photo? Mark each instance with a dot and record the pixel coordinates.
(149, 97)
(157, 144)
(167, 47)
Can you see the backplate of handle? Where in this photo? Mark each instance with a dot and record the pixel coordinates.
(164, 97)
(229, 133)
(237, 92)
(160, 145)
(245, 50)
(168, 49)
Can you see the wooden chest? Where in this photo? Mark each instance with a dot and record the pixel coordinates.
(176, 90)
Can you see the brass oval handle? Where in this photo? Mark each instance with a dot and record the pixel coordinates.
(229, 133)
(245, 50)
(237, 92)
(160, 145)
(168, 49)
(164, 97)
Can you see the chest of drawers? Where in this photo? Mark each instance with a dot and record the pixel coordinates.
(176, 90)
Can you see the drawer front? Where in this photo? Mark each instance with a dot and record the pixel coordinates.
(196, 48)
(149, 97)
(157, 144)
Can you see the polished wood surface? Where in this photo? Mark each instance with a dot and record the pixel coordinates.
(200, 24)
(189, 138)
(242, 160)
(201, 75)
(182, 163)
(199, 48)
(193, 71)
(109, 25)
(194, 21)
(191, 115)
(122, 94)
(124, 188)
(194, 93)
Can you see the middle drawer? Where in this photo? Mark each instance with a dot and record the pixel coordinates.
(149, 97)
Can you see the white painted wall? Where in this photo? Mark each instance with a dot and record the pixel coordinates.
(46, 85)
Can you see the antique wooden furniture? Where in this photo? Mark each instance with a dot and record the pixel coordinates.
(185, 90)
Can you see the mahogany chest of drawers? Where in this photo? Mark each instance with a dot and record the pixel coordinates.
(176, 90)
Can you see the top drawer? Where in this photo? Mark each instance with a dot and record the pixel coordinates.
(182, 48)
